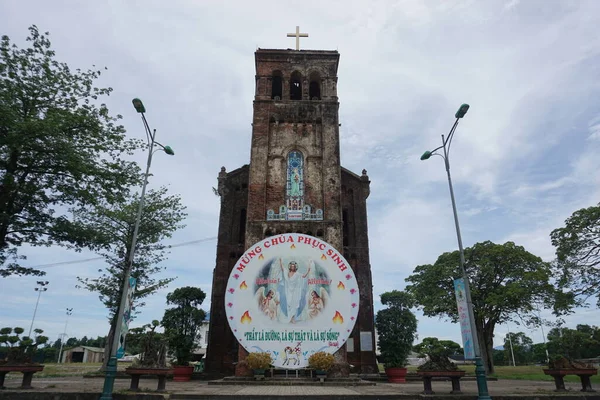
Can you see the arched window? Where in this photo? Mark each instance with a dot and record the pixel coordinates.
(296, 86)
(295, 185)
(314, 87)
(276, 85)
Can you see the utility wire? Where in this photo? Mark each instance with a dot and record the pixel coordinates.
(102, 258)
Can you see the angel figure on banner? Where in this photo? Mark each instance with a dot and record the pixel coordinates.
(317, 301)
(268, 303)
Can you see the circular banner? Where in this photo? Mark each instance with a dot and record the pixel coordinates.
(292, 295)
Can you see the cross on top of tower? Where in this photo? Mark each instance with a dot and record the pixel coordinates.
(297, 35)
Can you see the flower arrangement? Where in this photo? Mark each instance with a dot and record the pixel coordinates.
(259, 360)
(321, 361)
(20, 349)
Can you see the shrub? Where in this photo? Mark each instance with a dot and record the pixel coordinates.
(21, 349)
(259, 360)
(321, 361)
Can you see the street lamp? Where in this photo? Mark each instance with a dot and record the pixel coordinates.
(64, 335)
(446, 142)
(41, 288)
(111, 367)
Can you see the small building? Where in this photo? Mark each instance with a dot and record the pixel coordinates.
(83, 354)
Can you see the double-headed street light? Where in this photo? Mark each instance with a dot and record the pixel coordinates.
(41, 287)
(446, 142)
(111, 367)
(64, 335)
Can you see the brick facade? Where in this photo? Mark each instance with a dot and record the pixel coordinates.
(295, 110)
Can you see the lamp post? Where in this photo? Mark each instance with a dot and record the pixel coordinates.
(511, 345)
(446, 142)
(543, 333)
(111, 367)
(41, 288)
(64, 335)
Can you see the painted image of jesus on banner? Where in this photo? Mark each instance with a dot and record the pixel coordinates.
(291, 293)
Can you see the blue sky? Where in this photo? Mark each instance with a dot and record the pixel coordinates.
(523, 159)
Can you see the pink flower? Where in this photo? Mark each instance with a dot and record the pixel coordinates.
(352, 291)
(348, 276)
(231, 290)
(229, 305)
(236, 276)
(353, 305)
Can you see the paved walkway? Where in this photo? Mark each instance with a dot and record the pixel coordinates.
(77, 384)
(201, 389)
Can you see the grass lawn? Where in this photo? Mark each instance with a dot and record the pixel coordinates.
(524, 372)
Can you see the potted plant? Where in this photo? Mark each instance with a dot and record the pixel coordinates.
(437, 354)
(152, 361)
(20, 351)
(559, 367)
(182, 328)
(259, 362)
(396, 326)
(321, 362)
(438, 365)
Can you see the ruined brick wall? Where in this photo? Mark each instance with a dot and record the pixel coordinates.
(355, 190)
(222, 346)
(309, 125)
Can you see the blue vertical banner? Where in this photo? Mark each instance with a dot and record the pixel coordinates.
(127, 317)
(463, 315)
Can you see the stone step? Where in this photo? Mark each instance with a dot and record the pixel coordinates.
(276, 381)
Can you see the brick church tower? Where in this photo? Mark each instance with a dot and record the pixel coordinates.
(294, 183)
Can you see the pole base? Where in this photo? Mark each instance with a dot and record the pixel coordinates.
(109, 378)
(482, 388)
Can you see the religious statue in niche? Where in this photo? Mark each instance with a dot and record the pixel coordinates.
(294, 208)
(295, 185)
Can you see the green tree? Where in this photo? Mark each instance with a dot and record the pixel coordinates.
(538, 353)
(506, 281)
(499, 357)
(58, 149)
(100, 341)
(578, 253)
(521, 348)
(433, 344)
(582, 342)
(183, 321)
(113, 225)
(397, 327)
(135, 336)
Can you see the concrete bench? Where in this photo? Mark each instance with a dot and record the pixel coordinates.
(160, 373)
(584, 375)
(27, 371)
(429, 375)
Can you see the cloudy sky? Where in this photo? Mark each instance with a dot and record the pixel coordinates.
(523, 159)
